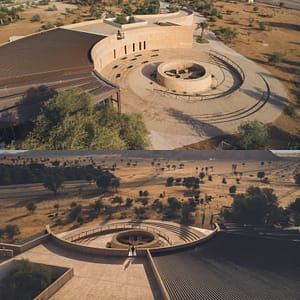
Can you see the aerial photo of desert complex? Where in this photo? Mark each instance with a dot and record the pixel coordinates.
(193, 72)
(149, 225)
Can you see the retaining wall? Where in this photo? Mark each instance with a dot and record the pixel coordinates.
(159, 281)
(55, 286)
(17, 249)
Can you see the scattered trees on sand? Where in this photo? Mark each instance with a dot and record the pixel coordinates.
(227, 34)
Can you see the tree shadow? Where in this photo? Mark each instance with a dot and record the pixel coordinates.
(18, 217)
(285, 25)
(28, 108)
(201, 128)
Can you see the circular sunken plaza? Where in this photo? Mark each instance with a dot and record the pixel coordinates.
(186, 91)
(173, 261)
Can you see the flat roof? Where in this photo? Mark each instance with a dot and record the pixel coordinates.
(48, 51)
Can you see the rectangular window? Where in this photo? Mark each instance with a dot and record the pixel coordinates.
(144, 45)
(133, 47)
(115, 55)
(140, 45)
(125, 49)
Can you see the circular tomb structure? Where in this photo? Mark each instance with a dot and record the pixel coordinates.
(140, 239)
(184, 76)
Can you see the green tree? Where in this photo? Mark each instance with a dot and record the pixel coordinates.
(170, 181)
(25, 280)
(185, 213)
(56, 206)
(256, 206)
(253, 135)
(115, 184)
(203, 26)
(31, 207)
(70, 121)
(276, 57)
(104, 181)
(202, 175)
(95, 208)
(75, 213)
(227, 34)
(11, 230)
(260, 175)
(35, 18)
(232, 189)
(53, 181)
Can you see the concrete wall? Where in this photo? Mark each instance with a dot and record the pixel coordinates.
(138, 22)
(86, 249)
(17, 249)
(159, 281)
(124, 252)
(181, 85)
(85, 23)
(139, 40)
(55, 286)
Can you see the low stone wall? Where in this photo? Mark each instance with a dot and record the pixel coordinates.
(123, 252)
(85, 23)
(117, 243)
(183, 85)
(159, 281)
(55, 286)
(138, 22)
(17, 249)
(86, 249)
(8, 253)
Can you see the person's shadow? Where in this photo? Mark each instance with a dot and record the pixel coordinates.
(128, 262)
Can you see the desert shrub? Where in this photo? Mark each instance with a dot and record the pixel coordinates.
(276, 57)
(35, 18)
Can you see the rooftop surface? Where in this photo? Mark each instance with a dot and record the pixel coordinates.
(233, 267)
(48, 51)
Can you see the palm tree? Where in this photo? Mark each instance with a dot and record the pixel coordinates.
(203, 26)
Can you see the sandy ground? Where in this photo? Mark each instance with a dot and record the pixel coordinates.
(145, 176)
(25, 26)
(282, 35)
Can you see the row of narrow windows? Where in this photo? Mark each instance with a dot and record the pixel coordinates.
(142, 46)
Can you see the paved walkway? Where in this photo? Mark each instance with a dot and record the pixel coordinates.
(98, 277)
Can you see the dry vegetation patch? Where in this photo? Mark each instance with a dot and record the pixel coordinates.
(144, 175)
(262, 31)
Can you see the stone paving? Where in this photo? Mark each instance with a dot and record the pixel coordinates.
(98, 277)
